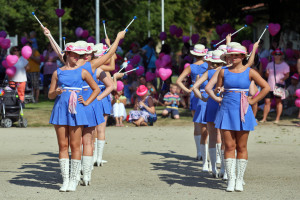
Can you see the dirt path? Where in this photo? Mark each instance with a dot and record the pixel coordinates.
(149, 163)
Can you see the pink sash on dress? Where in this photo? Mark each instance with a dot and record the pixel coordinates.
(72, 103)
(244, 105)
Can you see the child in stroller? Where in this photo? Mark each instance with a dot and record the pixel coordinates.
(10, 107)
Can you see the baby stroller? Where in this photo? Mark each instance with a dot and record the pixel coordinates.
(10, 107)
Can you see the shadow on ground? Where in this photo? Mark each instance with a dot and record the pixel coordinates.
(44, 173)
(183, 170)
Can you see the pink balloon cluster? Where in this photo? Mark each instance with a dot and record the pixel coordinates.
(175, 31)
(140, 71)
(9, 63)
(223, 30)
(4, 43)
(163, 66)
(135, 60)
(297, 102)
(26, 52)
(246, 43)
(185, 38)
(81, 33)
(274, 28)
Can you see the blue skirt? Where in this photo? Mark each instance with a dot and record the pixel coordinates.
(211, 110)
(200, 110)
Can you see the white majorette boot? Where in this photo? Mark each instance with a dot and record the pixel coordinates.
(241, 165)
(218, 148)
(230, 164)
(213, 158)
(95, 152)
(75, 169)
(100, 147)
(87, 169)
(64, 168)
(204, 152)
(223, 173)
(197, 142)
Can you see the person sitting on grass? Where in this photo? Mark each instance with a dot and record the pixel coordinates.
(171, 100)
(144, 110)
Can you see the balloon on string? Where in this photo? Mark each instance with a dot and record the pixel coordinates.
(249, 19)
(173, 29)
(11, 60)
(78, 31)
(140, 71)
(5, 44)
(3, 34)
(60, 12)
(246, 43)
(164, 74)
(120, 86)
(195, 38)
(289, 53)
(297, 102)
(163, 36)
(274, 28)
(185, 38)
(150, 76)
(11, 71)
(264, 63)
(91, 39)
(24, 41)
(297, 93)
(26, 52)
(179, 32)
(4, 64)
(85, 34)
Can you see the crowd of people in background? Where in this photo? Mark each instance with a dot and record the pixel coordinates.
(35, 75)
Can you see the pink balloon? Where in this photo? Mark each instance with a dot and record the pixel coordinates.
(4, 64)
(164, 74)
(85, 34)
(195, 38)
(163, 36)
(128, 68)
(264, 62)
(297, 103)
(173, 29)
(24, 41)
(297, 93)
(3, 34)
(78, 31)
(11, 60)
(150, 76)
(166, 60)
(186, 65)
(135, 60)
(179, 32)
(120, 85)
(91, 39)
(140, 71)
(158, 63)
(249, 19)
(246, 43)
(274, 28)
(11, 71)
(26, 52)
(5, 44)
(289, 53)
(185, 38)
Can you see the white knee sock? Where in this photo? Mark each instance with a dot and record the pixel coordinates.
(197, 141)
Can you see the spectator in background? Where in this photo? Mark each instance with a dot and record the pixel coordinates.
(171, 100)
(119, 102)
(134, 50)
(282, 73)
(34, 71)
(50, 66)
(149, 55)
(33, 40)
(19, 79)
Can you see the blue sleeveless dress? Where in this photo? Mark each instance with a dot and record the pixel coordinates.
(93, 111)
(106, 101)
(212, 106)
(69, 80)
(198, 104)
(229, 115)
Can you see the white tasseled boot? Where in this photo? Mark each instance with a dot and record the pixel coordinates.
(230, 164)
(75, 169)
(241, 165)
(218, 148)
(213, 155)
(197, 142)
(95, 152)
(100, 147)
(87, 169)
(204, 152)
(64, 168)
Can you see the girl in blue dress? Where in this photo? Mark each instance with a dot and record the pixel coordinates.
(198, 106)
(215, 64)
(235, 117)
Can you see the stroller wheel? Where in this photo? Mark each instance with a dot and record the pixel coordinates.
(6, 122)
(23, 123)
